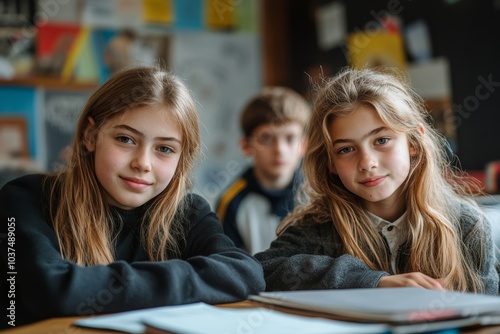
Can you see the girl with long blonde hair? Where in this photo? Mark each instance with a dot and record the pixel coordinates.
(116, 228)
(383, 206)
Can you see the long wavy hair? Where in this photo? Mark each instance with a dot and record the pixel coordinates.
(79, 212)
(433, 200)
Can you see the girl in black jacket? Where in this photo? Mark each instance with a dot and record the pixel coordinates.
(116, 229)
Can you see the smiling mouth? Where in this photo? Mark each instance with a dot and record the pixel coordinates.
(136, 184)
(373, 182)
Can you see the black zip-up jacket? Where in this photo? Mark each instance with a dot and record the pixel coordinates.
(209, 269)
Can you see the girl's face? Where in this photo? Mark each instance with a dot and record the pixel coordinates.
(136, 155)
(371, 160)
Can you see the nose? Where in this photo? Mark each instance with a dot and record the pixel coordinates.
(367, 161)
(279, 145)
(141, 160)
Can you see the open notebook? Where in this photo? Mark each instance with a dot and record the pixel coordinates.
(394, 306)
(391, 310)
(200, 318)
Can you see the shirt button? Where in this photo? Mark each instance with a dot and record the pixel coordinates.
(390, 228)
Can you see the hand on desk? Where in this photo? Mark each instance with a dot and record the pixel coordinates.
(415, 279)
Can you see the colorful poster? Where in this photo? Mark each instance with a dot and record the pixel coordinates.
(54, 42)
(86, 68)
(18, 118)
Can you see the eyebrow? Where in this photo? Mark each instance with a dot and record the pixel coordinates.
(371, 133)
(139, 133)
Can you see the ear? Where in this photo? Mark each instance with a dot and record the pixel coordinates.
(246, 147)
(88, 136)
(413, 150)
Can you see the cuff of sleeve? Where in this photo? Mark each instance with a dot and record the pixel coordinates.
(369, 279)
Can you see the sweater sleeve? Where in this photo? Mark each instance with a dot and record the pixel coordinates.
(478, 242)
(307, 257)
(211, 268)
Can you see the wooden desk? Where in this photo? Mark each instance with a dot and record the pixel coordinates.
(64, 325)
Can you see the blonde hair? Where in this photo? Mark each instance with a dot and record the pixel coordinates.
(433, 201)
(78, 210)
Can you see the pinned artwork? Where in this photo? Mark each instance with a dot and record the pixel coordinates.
(368, 49)
(13, 137)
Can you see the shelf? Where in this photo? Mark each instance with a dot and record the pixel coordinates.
(49, 83)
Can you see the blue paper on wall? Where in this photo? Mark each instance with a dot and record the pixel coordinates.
(188, 14)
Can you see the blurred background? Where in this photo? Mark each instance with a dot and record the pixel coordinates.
(54, 53)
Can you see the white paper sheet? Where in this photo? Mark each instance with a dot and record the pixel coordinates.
(200, 318)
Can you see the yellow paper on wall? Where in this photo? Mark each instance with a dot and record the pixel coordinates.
(158, 11)
(367, 49)
(220, 13)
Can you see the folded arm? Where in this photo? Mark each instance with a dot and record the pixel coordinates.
(308, 258)
(211, 269)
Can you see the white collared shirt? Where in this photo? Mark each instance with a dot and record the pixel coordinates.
(392, 232)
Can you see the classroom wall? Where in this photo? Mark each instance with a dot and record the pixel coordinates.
(54, 53)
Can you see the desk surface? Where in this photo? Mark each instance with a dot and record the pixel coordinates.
(64, 325)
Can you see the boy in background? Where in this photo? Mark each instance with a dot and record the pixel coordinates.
(251, 208)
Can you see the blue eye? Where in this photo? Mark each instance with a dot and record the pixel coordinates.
(382, 141)
(124, 139)
(345, 150)
(165, 149)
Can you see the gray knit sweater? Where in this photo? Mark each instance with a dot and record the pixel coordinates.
(312, 257)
